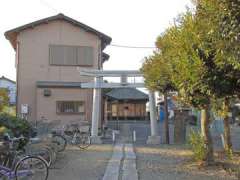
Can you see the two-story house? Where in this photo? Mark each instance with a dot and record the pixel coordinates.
(48, 54)
(10, 85)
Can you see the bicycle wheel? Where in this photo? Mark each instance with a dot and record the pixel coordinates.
(31, 168)
(49, 155)
(44, 151)
(60, 141)
(84, 141)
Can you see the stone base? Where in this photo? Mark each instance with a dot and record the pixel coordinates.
(153, 140)
(96, 140)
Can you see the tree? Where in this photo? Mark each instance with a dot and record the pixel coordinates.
(202, 51)
(229, 25)
(188, 72)
(4, 99)
(221, 51)
(157, 77)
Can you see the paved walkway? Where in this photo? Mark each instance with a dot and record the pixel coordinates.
(76, 164)
(122, 165)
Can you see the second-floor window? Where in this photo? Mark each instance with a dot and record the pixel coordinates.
(71, 55)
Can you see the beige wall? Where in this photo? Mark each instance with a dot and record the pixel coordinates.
(46, 106)
(33, 54)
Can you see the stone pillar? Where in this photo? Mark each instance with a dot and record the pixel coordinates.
(180, 117)
(154, 138)
(95, 139)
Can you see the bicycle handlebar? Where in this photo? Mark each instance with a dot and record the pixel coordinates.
(7, 137)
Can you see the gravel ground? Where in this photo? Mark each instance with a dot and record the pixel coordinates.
(75, 164)
(171, 162)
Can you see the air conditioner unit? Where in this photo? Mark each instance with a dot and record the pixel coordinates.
(47, 92)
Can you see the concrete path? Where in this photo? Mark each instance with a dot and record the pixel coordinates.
(122, 165)
(129, 171)
(114, 164)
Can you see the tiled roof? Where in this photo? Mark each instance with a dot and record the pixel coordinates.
(127, 94)
(10, 35)
(4, 78)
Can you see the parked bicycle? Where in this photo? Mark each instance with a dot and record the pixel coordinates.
(74, 135)
(44, 148)
(43, 139)
(15, 165)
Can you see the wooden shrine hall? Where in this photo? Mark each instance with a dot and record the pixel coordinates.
(125, 104)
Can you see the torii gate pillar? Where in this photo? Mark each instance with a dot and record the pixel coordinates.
(154, 138)
(95, 139)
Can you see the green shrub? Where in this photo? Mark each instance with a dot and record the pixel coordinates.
(15, 125)
(197, 145)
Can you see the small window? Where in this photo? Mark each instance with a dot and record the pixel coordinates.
(70, 107)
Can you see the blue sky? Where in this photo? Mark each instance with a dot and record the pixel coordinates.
(128, 22)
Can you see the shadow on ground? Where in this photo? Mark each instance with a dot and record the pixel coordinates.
(171, 162)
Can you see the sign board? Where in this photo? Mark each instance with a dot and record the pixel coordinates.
(24, 108)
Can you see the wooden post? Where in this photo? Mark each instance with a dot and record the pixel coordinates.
(106, 110)
(111, 116)
(124, 111)
(117, 104)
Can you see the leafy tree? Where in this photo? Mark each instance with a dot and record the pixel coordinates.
(228, 18)
(205, 48)
(4, 99)
(188, 72)
(229, 25)
(218, 24)
(202, 51)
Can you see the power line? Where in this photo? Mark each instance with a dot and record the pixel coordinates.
(132, 47)
(48, 5)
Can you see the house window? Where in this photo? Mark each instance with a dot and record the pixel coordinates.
(70, 107)
(71, 55)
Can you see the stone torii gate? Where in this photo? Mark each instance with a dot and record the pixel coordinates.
(98, 84)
